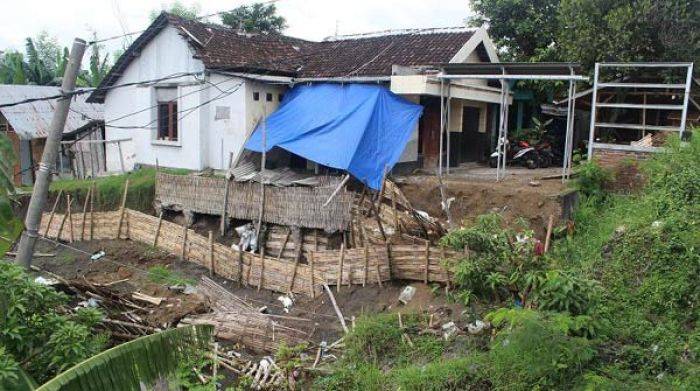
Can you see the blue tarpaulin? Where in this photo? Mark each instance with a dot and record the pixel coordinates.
(360, 128)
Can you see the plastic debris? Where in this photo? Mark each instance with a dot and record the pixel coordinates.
(189, 290)
(287, 302)
(45, 281)
(407, 294)
(249, 238)
(89, 303)
(97, 255)
(449, 329)
(477, 327)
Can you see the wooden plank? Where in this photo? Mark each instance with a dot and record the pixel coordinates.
(311, 266)
(92, 210)
(284, 243)
(297, 246)
(53, 211)
(547, 239)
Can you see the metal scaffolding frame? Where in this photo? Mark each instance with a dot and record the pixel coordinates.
(597, 85)
(507, 72)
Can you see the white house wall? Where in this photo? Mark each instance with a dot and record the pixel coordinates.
(410, 152)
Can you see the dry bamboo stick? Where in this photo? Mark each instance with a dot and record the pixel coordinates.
(397, 225)
(550, 226)
(427, 261)
(340, 267)
(298, 240)
(92, 210)
(85, 209)
(240, 266)
(121, 209)
(53, 211)
(70, 220)
(183, 254)
(311, 267)
(284, 243)
(160, 223)
(364, 278)
(262, 267)
(212, 271)
(335, 306)
(379, 277)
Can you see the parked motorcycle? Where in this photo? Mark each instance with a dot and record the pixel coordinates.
(517, 153)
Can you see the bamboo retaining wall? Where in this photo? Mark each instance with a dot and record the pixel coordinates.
(292, 206)
(419, 262)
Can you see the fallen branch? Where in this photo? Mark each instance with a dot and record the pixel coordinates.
(335, 306)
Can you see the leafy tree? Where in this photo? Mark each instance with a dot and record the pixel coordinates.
(10, 227)
(12, 68)
(525, 30)
(255, 18)
(178, 9)
(46, 61)
(587, 31)
(97, 68)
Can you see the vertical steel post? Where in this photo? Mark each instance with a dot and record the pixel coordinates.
(684, 113)
(48, 157)
(442, 123)
(594, 100)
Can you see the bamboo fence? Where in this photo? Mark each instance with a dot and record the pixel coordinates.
(369, 264)
(292, 206)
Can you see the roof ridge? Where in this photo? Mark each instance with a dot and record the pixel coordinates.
(406, 31)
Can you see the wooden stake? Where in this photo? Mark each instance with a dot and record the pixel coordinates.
(70, 220)
(395, 212)
(298, 243)
(240, 266)
(340, 267)
(63, 220)
(427, 261)
(85, 209)
(284, 243)
(53, 211)
(311, 267)
(379, 277)
(212, 269)
(183, 254)
(262, 267)
(547, 239)
(92, 210)
(337, 309)
(122, 208)
(160, 223)
(364, 278)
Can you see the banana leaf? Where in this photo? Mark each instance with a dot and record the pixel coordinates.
(141, 361)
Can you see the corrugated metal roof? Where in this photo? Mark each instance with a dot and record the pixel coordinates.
(32, 120)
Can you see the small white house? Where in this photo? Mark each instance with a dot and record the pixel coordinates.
(188, 94)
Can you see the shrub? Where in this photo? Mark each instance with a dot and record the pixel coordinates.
(455, 374)
(591, 180)
(533, 353)
(35, 333)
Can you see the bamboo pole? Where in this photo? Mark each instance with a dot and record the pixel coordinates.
(92, 210)
(70, 220)
(240, 267)
(547, 239)
(160, 223)
(262, 267)
(65, 217)
(212, 270)
(397, 225)
(298, 243)
(184, 242)
(335, 306)
(85, 209)
(340, 267)
(284, 243)
(311, 267)
(122, 209)
(427, 262)
(379, 277)
(364, 278)
(53, 211)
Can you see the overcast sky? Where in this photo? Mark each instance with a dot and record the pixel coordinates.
(310, 19)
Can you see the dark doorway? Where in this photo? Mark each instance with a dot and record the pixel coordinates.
(471, 138)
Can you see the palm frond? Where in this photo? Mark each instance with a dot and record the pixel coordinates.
(127, 366)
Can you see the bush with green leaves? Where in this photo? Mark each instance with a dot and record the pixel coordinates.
(36, 332)
(591, 179)
(531, 351)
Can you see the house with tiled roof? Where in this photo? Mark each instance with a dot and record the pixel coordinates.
(188, 94)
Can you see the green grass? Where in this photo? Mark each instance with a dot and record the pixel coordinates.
(110, 189)
(162, 275)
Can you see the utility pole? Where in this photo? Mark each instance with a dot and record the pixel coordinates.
(48, 157)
